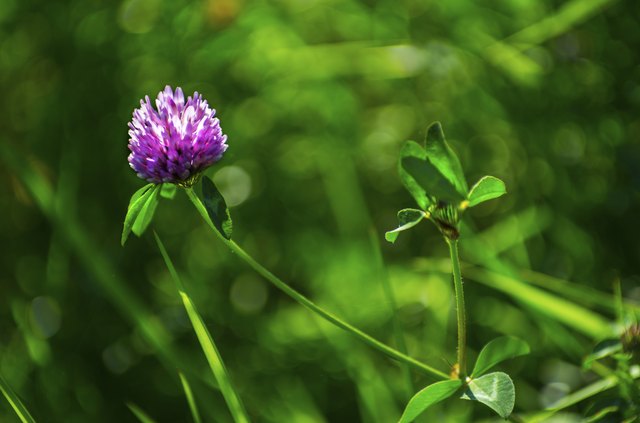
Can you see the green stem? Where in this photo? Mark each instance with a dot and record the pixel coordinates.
(284, 287)
(460, 311)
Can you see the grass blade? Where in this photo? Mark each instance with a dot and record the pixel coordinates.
(95, 260)
(206, 342)
(15, 402)
(571, 13)
(570, 314)
(587, 392)
(139, 413)
(190, 399)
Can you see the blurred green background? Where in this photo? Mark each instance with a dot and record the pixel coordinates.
(316, 97)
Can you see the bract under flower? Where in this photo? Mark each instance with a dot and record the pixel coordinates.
(177, 141)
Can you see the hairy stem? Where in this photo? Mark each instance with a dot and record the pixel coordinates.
(284, 287)
(460, 311)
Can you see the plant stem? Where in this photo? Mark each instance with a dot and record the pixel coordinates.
(284, 287)
(460, 311)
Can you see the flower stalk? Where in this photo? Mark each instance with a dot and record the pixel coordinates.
(304, 301)
(460, 309)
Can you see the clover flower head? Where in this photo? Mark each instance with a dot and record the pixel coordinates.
(176, 141)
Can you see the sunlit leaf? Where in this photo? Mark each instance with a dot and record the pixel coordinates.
(429, 178)
(487, 188)
(413, 149)
(433, 172)
(494, 390)
(139, 193)
(427, 397)
(407, 218)
(137, 201)
(498, 350)
(216, 207)
(444, 159)
(147, 211)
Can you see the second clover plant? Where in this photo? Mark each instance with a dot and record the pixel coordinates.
(432, 173)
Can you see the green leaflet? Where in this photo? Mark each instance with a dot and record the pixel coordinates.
(407, 218)
(494, 390)
(429, 178)
(216, 208)
(498, 350)
(147, 211)
(140, 212)
(427, 397)
(487, 188)
(444, 159)
(413, 149)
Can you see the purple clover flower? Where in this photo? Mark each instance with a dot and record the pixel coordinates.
(176, 142)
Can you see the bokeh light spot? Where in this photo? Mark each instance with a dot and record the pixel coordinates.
(45, 316)
(234, 183)
(248, 294)
(138, 16)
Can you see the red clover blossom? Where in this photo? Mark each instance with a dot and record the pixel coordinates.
(176, 142)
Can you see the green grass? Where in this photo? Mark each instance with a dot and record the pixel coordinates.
(16, 404)
(317, 99)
